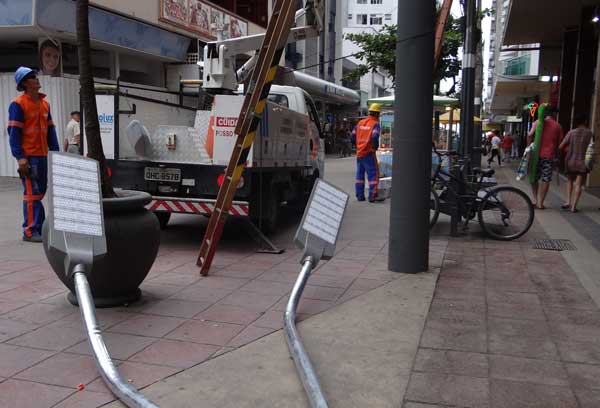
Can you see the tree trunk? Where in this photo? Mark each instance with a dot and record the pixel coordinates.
(88, 96)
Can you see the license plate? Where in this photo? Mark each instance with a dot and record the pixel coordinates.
(158, 174)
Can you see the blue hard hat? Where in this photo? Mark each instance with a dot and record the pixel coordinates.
(20, 74)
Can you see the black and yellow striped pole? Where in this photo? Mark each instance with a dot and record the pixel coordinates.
(254, 104)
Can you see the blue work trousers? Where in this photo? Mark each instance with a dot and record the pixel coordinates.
(34, 188)
(367, 164)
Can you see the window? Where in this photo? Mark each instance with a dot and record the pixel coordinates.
(388, 17)
(376, 1)
(376, 19)
(517, 66)
(361, 1)
(312, 113)
(279, 100)
(361, 19)
(349, 16)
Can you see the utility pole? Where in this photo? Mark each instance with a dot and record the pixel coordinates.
(468, 82)
(409, 212)
(476, 155)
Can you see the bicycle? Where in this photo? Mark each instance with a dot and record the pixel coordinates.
(503, 212)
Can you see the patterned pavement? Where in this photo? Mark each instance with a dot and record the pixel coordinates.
(509, 326)
(183, 319)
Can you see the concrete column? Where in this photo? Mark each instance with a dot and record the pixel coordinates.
(586, 62)
(413, 107)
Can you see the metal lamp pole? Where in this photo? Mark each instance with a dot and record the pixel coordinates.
(409, 217)
(468, 80)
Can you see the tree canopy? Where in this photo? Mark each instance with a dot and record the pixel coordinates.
(378, 52)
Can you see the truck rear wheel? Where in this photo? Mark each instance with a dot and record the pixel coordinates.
(163, 218)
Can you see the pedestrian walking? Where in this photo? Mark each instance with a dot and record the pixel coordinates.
(72, 134)
(366, 136)
(495, 149)
(514, 153)
(31, 135)
(547, 152)
(507, 143)
(577, 141)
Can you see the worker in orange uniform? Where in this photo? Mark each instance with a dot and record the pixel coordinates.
(31, 135)
(366, 136)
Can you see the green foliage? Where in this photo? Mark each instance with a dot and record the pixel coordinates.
(378, 52)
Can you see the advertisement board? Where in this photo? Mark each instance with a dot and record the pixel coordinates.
(106, 118)
(203, 18)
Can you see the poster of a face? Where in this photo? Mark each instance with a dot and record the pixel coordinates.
(175, 10)
(199, 17)
(49, 57)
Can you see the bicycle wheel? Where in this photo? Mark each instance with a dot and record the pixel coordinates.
(505, 213)
(434, 207)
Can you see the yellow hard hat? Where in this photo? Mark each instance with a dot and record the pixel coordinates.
(375, 107)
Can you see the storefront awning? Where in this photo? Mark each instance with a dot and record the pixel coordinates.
(445, 118)
(509, 92)
(537, 21)
(438, 100)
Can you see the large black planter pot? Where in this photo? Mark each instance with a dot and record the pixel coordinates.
(132, 239)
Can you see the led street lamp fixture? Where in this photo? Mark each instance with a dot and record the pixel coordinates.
(320, 226)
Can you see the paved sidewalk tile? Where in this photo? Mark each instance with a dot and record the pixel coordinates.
(511, 394)
(66, 370)
(448, 389)
(14, 359)
(508, 327)
(86, 399)
(174, 353)
(206, 332)
(26, 394)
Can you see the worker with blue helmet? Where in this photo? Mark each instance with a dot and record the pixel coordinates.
(31, 134)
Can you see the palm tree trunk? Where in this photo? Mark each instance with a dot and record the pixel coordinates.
(88, 96)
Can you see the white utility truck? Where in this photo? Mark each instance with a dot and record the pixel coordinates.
(182, 167)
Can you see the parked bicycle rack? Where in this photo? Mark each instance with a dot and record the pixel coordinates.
(317, 235)
(74, 237)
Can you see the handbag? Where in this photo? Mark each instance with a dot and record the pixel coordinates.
(589, 156)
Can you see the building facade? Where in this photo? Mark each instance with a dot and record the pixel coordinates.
(567, 40)
(366, 16)
(515, 76)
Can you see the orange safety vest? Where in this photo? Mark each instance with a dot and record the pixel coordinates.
(34, 140)
(364, 132)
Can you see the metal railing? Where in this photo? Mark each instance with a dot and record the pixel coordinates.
(125, 392)
(305, 369)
